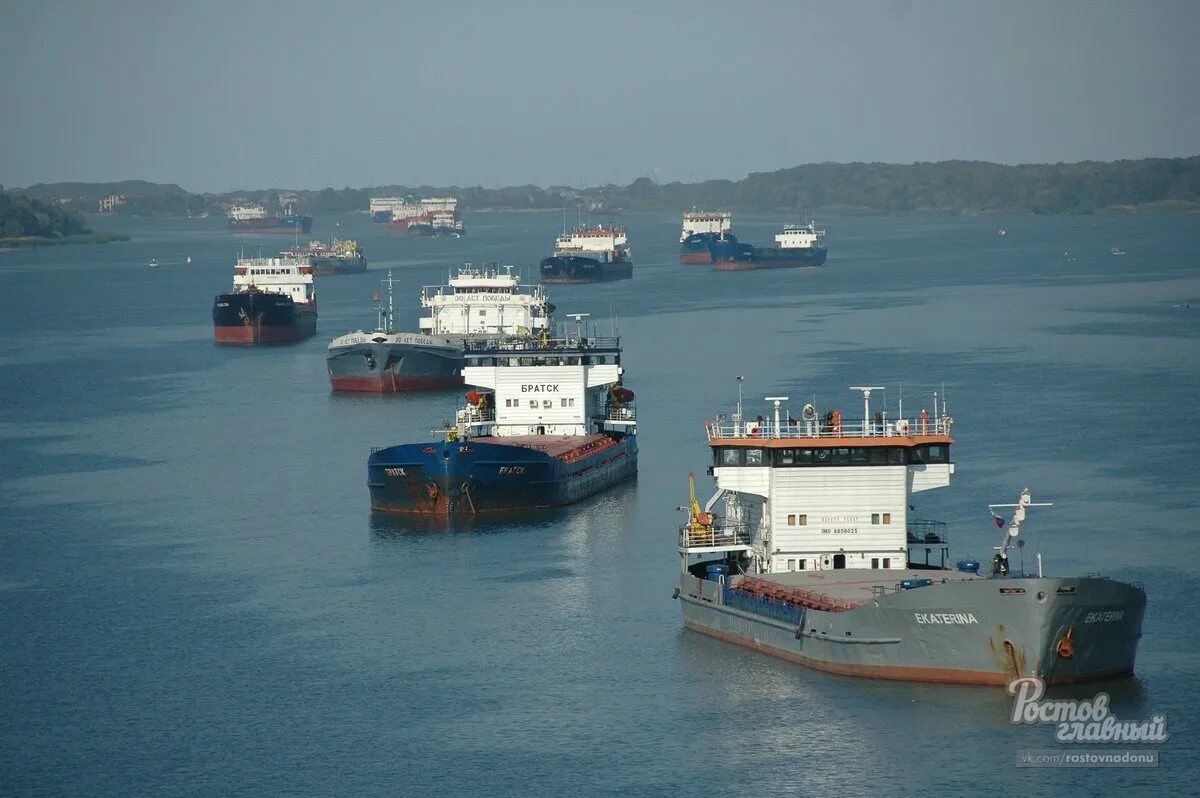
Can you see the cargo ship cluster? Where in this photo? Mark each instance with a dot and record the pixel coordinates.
(810, 547)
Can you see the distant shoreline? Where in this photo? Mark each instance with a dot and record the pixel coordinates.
(44, 241)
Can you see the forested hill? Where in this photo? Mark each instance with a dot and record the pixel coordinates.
(22, 217)
(949, 187)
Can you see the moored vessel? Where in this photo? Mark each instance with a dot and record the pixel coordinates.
(431, 216)
(701, 229)
(256, 219)
(816, 559)
(797, 245)
(589, 255)
(547, 423)
(273, 302)
(337, 257)
(478, 302)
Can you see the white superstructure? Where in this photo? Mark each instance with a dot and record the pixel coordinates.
(800, 236)
(484, 301)
(705, 222)
(290, 276)
(605, 244)
(565, 385)
(820, 493)
(407, 207)
(245, 213)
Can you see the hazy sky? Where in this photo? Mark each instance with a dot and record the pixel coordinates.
(218, 95)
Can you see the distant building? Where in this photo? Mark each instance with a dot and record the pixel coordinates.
(107, 204)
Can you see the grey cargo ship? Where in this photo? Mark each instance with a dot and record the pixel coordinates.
(817, 560)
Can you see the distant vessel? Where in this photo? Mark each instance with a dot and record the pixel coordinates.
(273, 302)
(432, 216)
(1117, 251)
(816, 559)
(797, 245)
(256, 219)
(701, 229)
(480, 303)
(547, 424)
(336, 257)
(1001, 232)
(154, 263)
(589, 255)
(189, 258)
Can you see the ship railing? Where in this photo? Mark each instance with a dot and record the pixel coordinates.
(620, 413)
(826, 428)
(474, 415)
(535, 344)
(720, 535)
(921, 530)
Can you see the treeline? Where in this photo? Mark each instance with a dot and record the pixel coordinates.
(954, 187)
(22, 217)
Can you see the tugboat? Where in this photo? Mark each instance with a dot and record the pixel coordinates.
(817, 560)
(547, 423)
(273, 301)
(479, 303)
(701, 229)
(589, 255)
(797, 245)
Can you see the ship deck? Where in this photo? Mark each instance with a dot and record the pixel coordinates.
(558, 446)
(843, 588)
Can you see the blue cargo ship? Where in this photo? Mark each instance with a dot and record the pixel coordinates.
(702, 229)
(546, 424)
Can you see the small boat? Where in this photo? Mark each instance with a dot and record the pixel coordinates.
(1117, 251)
(154, 263)
(1001, 232)
(189, 259)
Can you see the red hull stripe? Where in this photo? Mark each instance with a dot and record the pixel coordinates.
(249, 336)
(387, 383)
(901, 673)
(696, 257)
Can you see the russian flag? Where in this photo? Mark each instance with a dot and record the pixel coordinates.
(999, 521)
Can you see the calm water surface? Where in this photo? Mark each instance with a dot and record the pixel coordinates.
(195, 598)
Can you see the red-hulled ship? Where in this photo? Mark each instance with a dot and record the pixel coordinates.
(273, 301)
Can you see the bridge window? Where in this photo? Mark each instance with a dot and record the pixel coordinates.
(858, 456)
(791, 519)
(874, 562)
(731, 457)
(874, 518)
(887, 518)
(754, 457)
(887, 562)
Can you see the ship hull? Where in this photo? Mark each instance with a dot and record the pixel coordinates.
(391, 366)
(251, 318)
(283, 224)
(774, 258)
(697, 248)
(381, 216)
(959, 632)
(332, 266)
(576, 269)
(486, 475)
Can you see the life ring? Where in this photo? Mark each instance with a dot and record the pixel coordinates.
(836, 422)
(752, 431)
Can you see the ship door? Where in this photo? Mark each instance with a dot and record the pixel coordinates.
(839, 561)
(541, 430)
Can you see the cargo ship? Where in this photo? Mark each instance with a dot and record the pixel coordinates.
(816, 559)
(547, 423)
(273, 301)
(336, 257)
(589, 255)
(701, 229)
(797, 245)
(479, 303)
(432, 216)
(256, 219)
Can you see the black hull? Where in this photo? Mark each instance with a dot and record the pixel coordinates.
(576, 269)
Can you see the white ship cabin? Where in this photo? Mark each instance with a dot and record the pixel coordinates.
(484, 301)
(800, 236)
(245, 213)
(286, 275)
(820, 491)
(593, 241)
(439, 204)
(705, 222)
(445, 220)
(546, 386)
